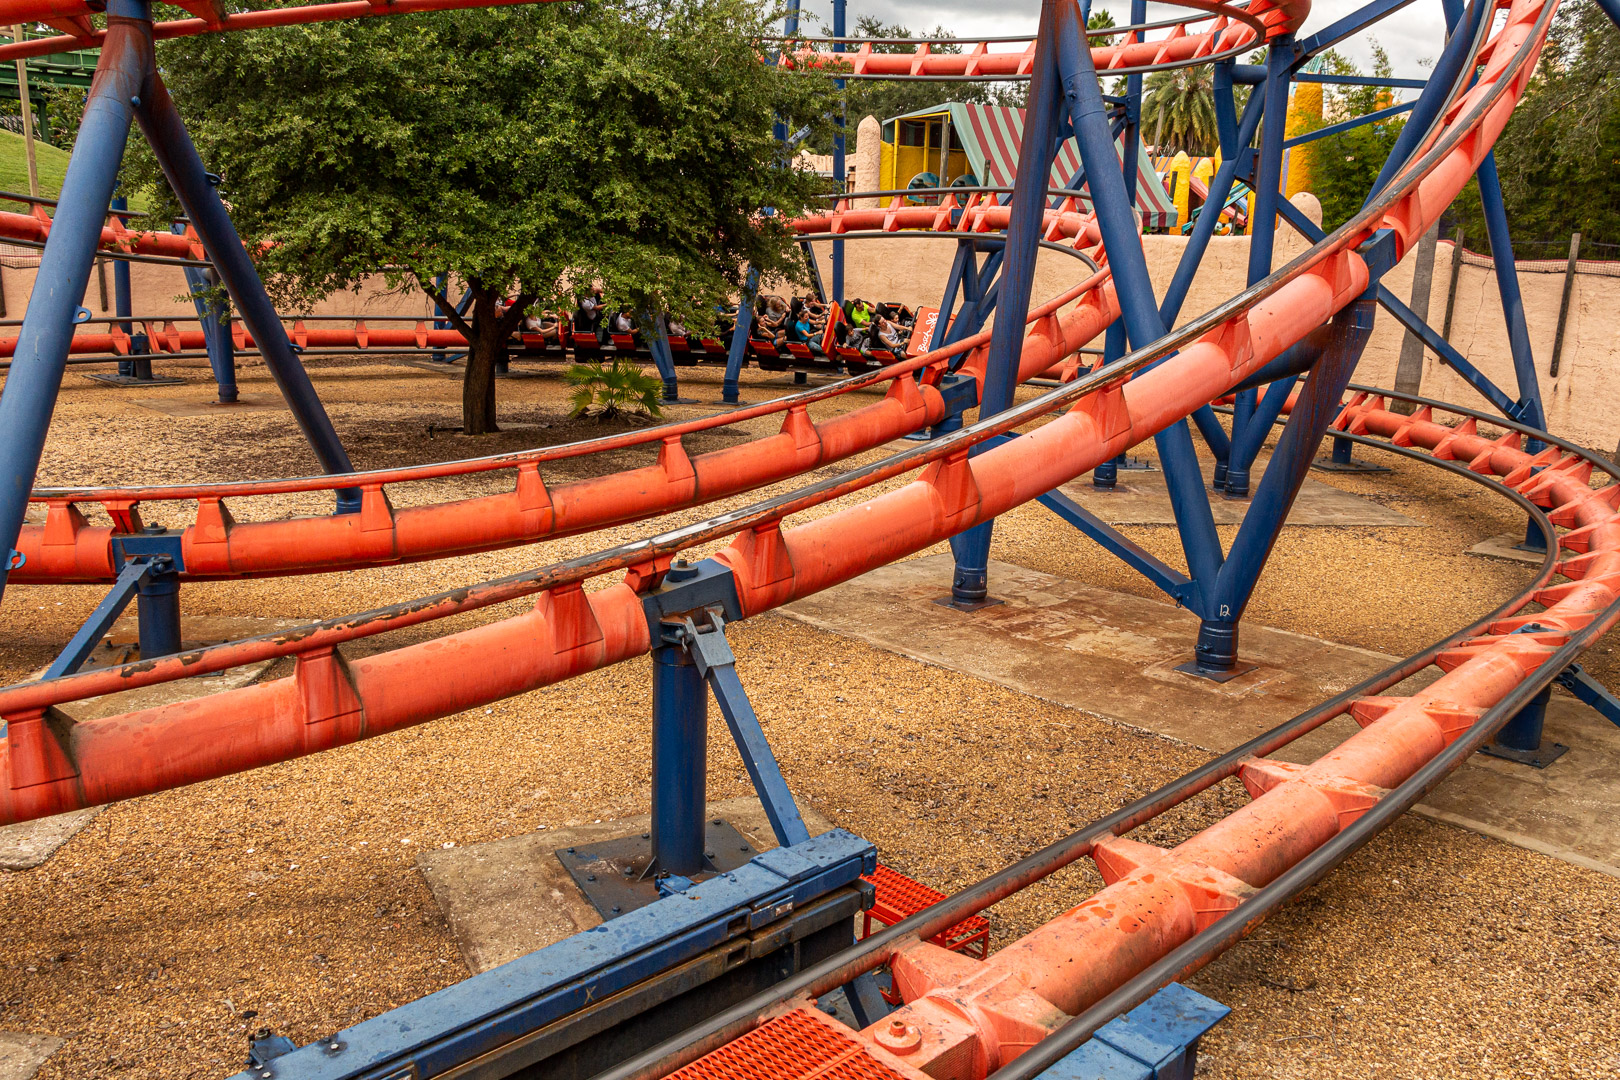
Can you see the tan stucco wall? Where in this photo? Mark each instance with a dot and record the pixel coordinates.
(1583, 403)
(160, 291)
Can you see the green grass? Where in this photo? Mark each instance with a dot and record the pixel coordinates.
(14, 166)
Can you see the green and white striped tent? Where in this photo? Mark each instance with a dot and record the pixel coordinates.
(990, 136)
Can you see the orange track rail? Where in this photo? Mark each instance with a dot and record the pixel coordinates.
(67, 549)
(329, 700)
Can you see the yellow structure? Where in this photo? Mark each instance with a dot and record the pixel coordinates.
(1179, 173)
(1304, 114)
(922, 144)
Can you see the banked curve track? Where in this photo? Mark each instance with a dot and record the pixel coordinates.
(66, 548)
(1156, 901)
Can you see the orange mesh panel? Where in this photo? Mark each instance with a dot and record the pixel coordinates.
(900, 897)
(795, 1046)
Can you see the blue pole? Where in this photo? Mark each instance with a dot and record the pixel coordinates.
(41, 354)
(663, 359)
(970, 582)
(123, 305)
(1507, 283)
(1263, 231)
(184, 169)
(680, 703)
(839, 10)
(738, 353)
(1105, 476)
(216, 327)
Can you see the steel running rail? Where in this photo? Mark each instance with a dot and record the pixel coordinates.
(67, 548)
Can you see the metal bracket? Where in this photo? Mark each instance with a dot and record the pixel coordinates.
(711, 654)
(135, 573)
(1575, 679)
(154, 543)
(17, 560)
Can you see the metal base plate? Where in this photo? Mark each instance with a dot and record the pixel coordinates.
(130, 380)
(1215, 675)
(617, 875)
(1133, 464)
(679, 401)
(1354, 465)
(1539, 758)
(967, 605)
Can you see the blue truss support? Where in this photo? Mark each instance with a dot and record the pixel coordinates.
(1426, 333)
(1157, 1040)
(1165, 577)
(84, 642)
(1314, 410)
(1575, 679)
(1449, 355)
(1346, 125)
(1263, 229)
(1131, 134)
(1352, 24)
(1611, 8)
(840, 8)
(1507, 283)
(715, 663)
(1139, 311)
(663, 358)
(46, 334)
(965, 263)
(457, 1025)
(1106, 475)
(970, 581)
(981, 288)
(123, 305)
(194, 186)
(1246, 446)
(737, 354)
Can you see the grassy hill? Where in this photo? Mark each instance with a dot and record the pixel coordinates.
(14, 166)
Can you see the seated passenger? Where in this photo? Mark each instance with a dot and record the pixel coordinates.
(588, 315)
(889, 335)
(675, 328)
(860, 316)
(621, 323)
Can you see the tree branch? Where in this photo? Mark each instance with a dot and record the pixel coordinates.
(446, 308)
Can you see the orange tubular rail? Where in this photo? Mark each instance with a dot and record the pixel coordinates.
(67, 549)
(1235, 28)
(54, 764)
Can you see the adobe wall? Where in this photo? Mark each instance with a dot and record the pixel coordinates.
(1583, 402)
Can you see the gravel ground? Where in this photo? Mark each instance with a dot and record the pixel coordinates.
(177, 924)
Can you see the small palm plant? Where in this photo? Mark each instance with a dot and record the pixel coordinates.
(614, 388)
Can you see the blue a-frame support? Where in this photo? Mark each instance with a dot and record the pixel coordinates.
(1065, 98)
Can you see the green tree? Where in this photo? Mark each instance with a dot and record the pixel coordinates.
(523, 151)
(1178, 110)
(1345, 166)
(1556, 154)
(1101, 20)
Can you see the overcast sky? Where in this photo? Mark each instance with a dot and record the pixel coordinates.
(1411, 35)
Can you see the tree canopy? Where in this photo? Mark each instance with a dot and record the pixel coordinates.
(1178, 111)
(523, 151)
(1557, 177)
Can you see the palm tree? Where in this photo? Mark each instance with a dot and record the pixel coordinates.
(613, 389)
(1178, 106)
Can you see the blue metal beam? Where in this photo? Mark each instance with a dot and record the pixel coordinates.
(1575, 679)
(32, 384)
(1507, 283)
(480, 1015)
(1164, 576)
(737, 354)
(1348, 125)
(1352, 24)
(112, 605)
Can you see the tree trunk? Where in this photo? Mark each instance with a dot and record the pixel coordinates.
(486, 346)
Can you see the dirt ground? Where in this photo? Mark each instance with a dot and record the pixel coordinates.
(175, 925)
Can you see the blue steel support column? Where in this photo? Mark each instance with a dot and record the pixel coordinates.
(216, 327)
(184, 169)
(1139, 310)
(41, 354)
(1507, 283)
(1314, 410)
(839, 9)
(680, 705)
(970, 582)
(123, 305)
(1263, 230)
(1130, 136)
(158, 611)
(738, 353)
